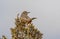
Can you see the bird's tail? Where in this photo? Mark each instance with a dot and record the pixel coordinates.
(33, 18)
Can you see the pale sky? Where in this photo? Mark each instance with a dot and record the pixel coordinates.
(46, 11)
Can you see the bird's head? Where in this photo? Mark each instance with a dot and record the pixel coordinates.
(25, 12)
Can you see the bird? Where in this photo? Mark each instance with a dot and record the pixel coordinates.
(25, 18)
(25, 15)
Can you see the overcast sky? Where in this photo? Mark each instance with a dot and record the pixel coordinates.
(46, 11)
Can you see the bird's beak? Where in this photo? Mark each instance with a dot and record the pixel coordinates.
(28, 12)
